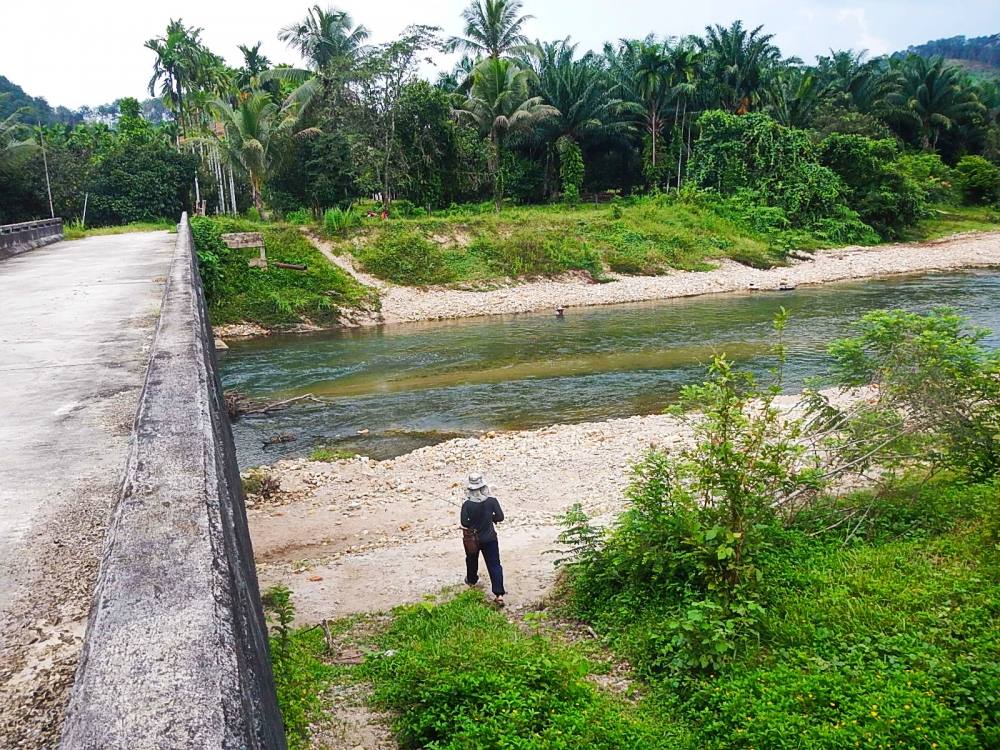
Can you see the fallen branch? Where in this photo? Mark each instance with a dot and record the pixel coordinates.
(281, 404)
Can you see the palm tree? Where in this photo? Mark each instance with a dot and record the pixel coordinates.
(685, 62)
(254, 132)
(254, 63)
(12, 146)
(325, 38)
(794, 96)
(582, 92)
(641, 69)
(857, 83)
(183, 64)
(499, 103)
(739, 62)
(932, 98)
(492, 28)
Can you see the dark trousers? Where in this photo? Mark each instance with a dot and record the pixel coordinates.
(491, 554)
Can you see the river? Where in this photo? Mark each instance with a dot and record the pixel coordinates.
(396, 388)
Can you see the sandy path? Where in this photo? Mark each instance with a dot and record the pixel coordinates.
(361, 535)
(407, 304)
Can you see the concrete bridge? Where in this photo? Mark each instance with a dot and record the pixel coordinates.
(129, 609)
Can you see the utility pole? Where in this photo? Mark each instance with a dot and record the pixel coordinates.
(45, 161)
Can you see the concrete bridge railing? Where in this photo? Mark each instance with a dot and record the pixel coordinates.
(16, 238)
(176, 653)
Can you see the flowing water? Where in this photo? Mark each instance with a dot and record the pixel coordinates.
(396, 388)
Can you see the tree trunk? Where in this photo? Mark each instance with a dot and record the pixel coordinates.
(680, 145)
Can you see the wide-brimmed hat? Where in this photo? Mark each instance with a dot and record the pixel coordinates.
(475, 482)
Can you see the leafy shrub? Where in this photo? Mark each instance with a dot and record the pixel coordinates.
(336, 220)
(755, 156)
(978, 180)
(459, 675)
(299, 217)
(934, 177)
(132, 184)
(881, 193)
(272, 296)
(260, 482)
(933, 369)
(689, 542)
(300, 675)
(570, 168)
(405, 256)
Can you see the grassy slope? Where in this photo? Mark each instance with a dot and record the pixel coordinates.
(274, 297)
(644, 236)
(888, 641)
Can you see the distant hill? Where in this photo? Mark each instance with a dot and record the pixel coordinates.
(38, 109)
(980, 55)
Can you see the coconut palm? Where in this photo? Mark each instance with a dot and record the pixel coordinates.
(254, 132)
(739, 62)
(499, 103)
(932, 98)
(492, 28)
(325, 38)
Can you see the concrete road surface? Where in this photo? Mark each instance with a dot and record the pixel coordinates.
(76, 321)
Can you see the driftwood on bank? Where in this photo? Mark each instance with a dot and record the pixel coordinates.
(238, 404)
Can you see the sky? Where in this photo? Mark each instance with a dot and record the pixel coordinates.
(75, 53)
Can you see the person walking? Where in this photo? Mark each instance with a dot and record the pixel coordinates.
(479, 512)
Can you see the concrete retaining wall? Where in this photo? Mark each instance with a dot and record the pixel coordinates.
(175, 654)
(17, 238)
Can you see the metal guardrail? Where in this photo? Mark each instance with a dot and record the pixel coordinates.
(16, 238)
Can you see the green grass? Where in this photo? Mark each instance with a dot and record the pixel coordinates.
(889, 639)
(458, 675)
(329, 454)
(648, 236)
(640, 236)
(945, 220)
(73, 231)
(272, 297)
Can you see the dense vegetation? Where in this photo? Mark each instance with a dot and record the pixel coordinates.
(274, 297)
(833, 150)
(983, 50)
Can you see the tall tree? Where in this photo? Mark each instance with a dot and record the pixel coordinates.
(499, 104)
(492, 28)
(739, 61)
(932, 98)
(254, 132)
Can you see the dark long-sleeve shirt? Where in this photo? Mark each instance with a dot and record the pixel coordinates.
(481, 516)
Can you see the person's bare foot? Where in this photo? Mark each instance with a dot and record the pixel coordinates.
(499, 601)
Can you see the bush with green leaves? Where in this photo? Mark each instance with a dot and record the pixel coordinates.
(778, 166)
(298, 217)
(884, 196)
(936, 391)
(934, 177)
(271, 297)
(524, 253)
(570, 168)
(978, 180)
(687, 547)
(459, 675)
(300, 675)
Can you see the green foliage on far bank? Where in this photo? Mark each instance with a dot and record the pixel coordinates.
(271, 297)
